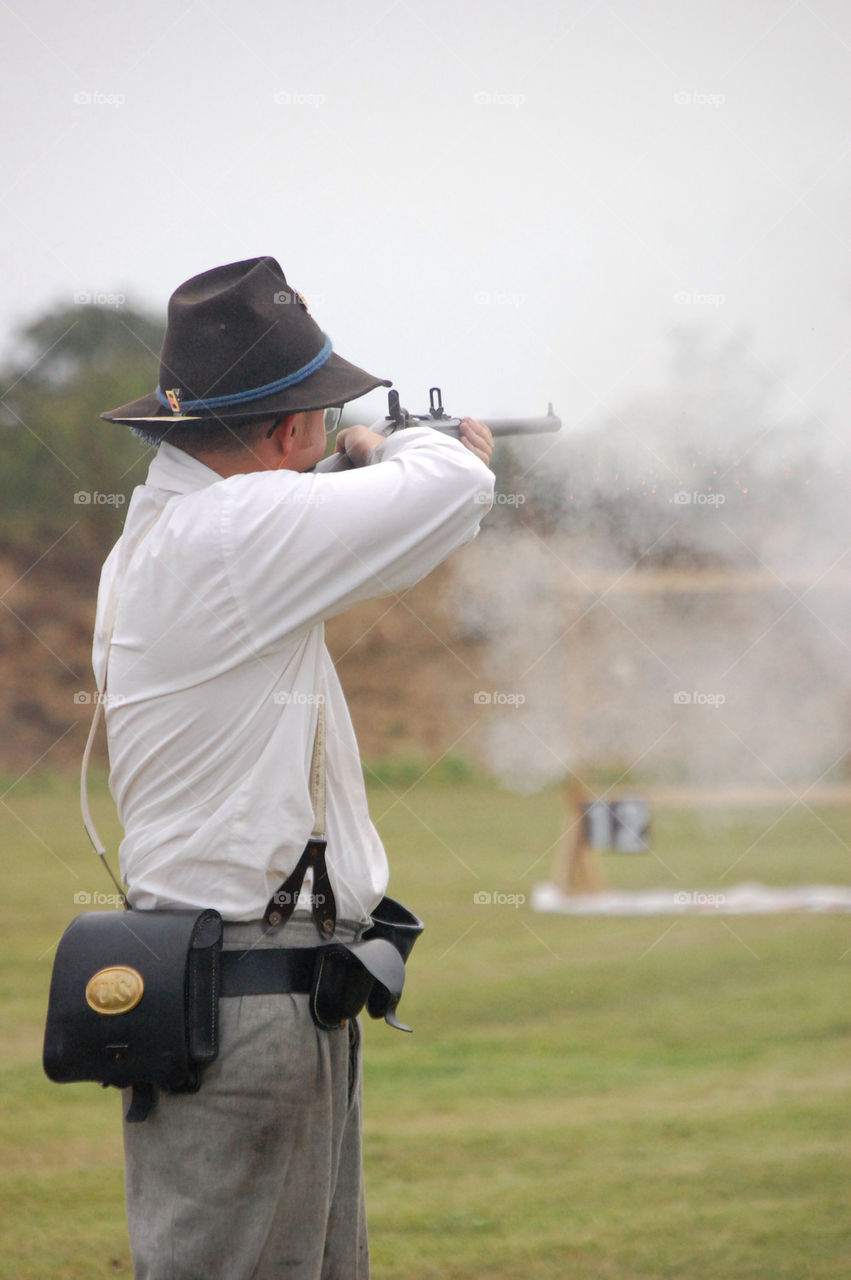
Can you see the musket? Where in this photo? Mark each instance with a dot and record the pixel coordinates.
(398, 418)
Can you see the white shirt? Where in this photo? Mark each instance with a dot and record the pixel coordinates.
(218, 589)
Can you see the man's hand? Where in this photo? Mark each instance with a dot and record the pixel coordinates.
(357, 443)
(476, 437)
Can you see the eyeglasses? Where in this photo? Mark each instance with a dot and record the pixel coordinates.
(331, 418)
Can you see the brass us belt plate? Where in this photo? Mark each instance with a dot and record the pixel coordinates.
(116, 989)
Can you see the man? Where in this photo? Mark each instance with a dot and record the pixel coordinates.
(209, 638)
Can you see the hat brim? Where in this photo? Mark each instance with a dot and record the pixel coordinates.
(335, 383)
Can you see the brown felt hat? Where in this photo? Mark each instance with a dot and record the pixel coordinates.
(240, 345)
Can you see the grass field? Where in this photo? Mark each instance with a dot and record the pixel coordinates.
(593, 1098)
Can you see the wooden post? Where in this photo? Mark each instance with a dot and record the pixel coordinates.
(576, 867)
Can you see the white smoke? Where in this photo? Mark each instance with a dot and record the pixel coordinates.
(669, 592)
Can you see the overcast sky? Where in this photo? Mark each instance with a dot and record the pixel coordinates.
(515, 200)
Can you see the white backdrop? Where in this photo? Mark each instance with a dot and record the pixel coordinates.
(516, 201)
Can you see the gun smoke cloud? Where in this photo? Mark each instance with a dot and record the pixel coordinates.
(671, 596)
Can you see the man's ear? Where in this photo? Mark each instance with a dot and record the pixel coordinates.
(284, 433)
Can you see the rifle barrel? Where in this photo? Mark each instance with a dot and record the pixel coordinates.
(499, 426)
(524, 426)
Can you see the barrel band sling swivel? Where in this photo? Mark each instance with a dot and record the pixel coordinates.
(134, 994)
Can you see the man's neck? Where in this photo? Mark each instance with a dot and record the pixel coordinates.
(240, 462)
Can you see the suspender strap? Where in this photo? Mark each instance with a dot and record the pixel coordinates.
(317, 774)
(323, 905)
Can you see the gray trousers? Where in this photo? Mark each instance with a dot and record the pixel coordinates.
(258, 1175)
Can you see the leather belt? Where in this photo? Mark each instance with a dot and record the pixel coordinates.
(267, 971)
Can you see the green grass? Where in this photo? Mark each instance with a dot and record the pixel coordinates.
(603, 1099)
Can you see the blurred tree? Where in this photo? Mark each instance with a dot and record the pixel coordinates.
(59, 466)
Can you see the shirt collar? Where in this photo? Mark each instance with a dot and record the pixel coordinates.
(176, 471)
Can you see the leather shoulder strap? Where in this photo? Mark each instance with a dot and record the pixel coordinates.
(100, 697)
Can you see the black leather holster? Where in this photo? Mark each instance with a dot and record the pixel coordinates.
(370, 972)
